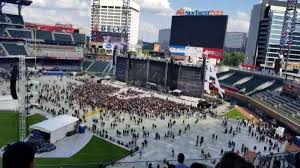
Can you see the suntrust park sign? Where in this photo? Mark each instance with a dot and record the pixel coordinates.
(183, 12)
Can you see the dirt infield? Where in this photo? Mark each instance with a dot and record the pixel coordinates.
(248, 114)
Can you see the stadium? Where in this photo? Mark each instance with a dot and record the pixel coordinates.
(79, 108)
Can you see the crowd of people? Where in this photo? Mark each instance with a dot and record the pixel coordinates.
(79, 99)
(98, 95)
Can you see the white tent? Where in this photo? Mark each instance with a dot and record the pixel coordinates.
(57, 127)
(280, 131)
(7, 103)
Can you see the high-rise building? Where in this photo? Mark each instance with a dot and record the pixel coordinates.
(265, 29)
(107, 16)
(235, 41)
(164, 39)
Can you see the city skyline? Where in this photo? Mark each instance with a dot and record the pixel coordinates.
(155, 14)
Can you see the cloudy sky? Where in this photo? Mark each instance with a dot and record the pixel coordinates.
(155, 14)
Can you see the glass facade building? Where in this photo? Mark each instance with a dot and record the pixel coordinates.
(263, 44)
(268, 42)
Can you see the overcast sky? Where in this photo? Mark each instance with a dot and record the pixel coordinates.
(155, 14)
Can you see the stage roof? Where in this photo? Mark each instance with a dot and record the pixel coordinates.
(18, 2)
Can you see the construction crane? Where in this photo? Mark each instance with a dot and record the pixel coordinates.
(288, 29)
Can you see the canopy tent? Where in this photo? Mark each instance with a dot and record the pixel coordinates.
(57, 127)
(7, 103)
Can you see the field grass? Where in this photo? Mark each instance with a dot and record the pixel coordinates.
(235, 114)
(9, 127)
(33, 119)
(96, 151)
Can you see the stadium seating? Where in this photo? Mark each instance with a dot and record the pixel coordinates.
(14, 48)
(275, 86)
(282, 104)
(2, 52)
(253, 83)
(21, 33)
(11, 19)
(3, 33)
(224, 73)
(86, 64)
(238, 75)
(79, 38)
(98, 66)
(44, 35)
(16, 19)
(55, 51)
(62, 37)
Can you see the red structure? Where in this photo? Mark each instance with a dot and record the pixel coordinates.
(68, 28)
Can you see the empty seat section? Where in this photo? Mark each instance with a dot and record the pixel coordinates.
(44, 35)
(79, 38)
(235, 77)
(16, 19)
(254, 82)
(20, 33)
(11, 19)
(86, 64)
(14, 48)
(224, 73)
(98, 66)
(62, 37)
(273, 87)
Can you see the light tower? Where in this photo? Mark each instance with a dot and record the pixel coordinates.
(95, 15)
(288, 28)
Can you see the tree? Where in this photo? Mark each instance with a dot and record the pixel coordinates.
(233, 58)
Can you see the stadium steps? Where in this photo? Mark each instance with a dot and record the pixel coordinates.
(238, 75)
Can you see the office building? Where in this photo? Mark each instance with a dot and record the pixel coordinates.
(164, 39)
(265, 29)
(106, 15)
(235, 41)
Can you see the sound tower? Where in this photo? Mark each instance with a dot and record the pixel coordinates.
(277, 65)
(13, 81)
(114, 55)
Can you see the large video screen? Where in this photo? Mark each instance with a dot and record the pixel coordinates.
(199, 31)
(107, 37)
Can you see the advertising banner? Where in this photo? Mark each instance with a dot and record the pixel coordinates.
(107, 37)
(194, 52)
(213, 53)
(177, 50)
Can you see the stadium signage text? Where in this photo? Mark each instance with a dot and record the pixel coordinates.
(114, 29)
(184, 12)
